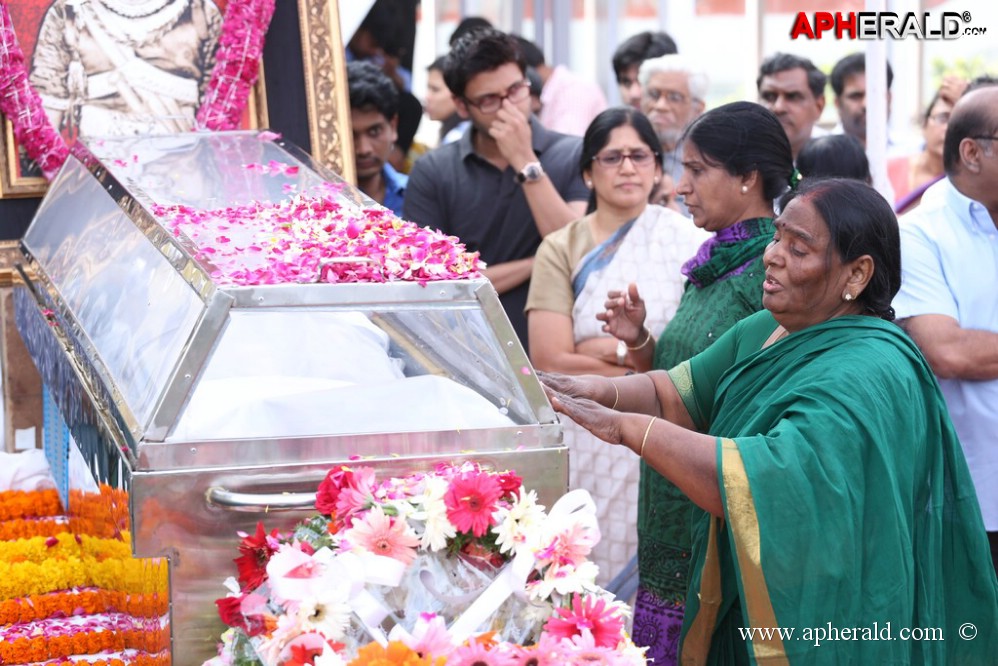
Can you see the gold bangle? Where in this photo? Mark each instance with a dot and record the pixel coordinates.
(616, 394)
(644, 440)
(647, 340)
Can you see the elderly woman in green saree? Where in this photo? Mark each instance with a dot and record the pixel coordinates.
(832, 499)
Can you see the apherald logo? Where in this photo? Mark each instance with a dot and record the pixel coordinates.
(878, 25)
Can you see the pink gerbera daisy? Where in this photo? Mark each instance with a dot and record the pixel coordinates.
(571, 546)
(383, 535)
(548, 651)
(471, 500)
(589, 613)
(583, 651)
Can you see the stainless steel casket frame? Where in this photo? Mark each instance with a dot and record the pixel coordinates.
(103, 281)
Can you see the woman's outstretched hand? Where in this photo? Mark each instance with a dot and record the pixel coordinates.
(594, 417)
(577, 386)
(625, 314)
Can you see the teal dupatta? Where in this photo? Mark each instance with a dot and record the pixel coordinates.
(848, 503)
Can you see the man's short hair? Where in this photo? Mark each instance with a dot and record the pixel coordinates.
(468, 25)
(531, 52)
(967, 122)
(782, 62)
(696, 78)
(370, 88)
(438, 65)
(481, 51)
(982, 81)
(640, 47)
(854, 63)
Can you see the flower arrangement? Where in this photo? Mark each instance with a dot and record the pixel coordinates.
(312, 238)
(462, 562)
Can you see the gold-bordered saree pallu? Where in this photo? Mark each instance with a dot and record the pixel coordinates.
(850, 517)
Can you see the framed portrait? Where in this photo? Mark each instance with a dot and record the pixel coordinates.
(112, 67)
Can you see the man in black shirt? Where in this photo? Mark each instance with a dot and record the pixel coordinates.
(508, 181)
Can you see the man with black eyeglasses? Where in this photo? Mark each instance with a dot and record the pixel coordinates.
(508, 181)
(948, 302)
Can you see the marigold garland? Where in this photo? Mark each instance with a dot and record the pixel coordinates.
(42, 648)
(15, 504)
(136, 660)
(102, 514)
(132, 576)
(39, 549)
(26, 528)
(48, 573)
(81, 602)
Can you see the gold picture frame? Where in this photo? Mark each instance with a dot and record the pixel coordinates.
(326, 94)
(9, 255)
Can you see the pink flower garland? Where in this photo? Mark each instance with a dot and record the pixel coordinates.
(237, 66)
(20, 103)
(237, 63)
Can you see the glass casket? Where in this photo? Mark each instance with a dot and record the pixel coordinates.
(198, 403)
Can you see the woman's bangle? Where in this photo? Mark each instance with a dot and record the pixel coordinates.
(616, 394)
(644, 440)
(647, 340)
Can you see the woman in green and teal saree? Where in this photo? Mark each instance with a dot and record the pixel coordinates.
(835, 520)
(736, 160)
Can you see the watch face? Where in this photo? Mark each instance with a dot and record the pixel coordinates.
(531, 172)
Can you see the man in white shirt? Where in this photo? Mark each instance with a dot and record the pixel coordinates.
(948, 301)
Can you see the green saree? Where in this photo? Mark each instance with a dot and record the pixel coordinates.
(849, 514)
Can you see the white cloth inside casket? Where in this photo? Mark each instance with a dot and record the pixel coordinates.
(307, 373)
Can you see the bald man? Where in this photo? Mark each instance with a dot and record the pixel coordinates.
(948, 302)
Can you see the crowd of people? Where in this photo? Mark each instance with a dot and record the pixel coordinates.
(781, 398)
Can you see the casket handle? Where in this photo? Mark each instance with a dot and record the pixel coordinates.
(329, 261)
(259, 502)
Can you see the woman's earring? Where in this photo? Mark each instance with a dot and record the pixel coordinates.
(744, 189)
(589, 183)
(847, 296)
(657, 180)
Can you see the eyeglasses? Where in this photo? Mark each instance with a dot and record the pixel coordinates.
(941, 118)
(671, 96)
(517, 92)
(985, 137)
(614, 158)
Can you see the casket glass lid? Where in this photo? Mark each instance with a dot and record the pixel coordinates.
(196, 339)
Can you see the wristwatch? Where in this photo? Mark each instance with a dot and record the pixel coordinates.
(531, 173)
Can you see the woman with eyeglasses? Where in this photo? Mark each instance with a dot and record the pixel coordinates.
(623, 239)
(911, 175)
(736, 161)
